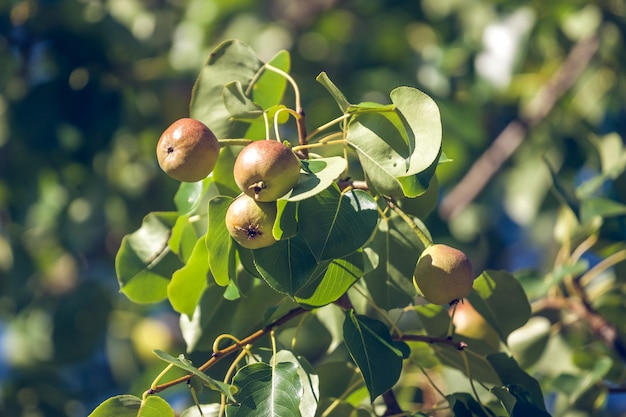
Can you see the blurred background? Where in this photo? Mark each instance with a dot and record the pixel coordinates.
(87, 86)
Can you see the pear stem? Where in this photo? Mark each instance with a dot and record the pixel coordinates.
(234, 142)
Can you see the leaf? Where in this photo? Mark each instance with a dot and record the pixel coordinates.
(398, 247)
(131, 406)
(601, 207)
(318, 175)
(510, 373)
(323, 79)
(500, 299)
(517, 401)
(528, 343)
(206, 410)
(335, 224)
(184, 364)
(269, 89)
(189, 282)
(267, 391)
(221, 252)
(340, 275)
(183, 237)
(370, 346)
(310, 381)
(238, 104)
(464, 405)
(286, 224)
(287, 265)
(144, 263)
(232, 60)
(399, 150)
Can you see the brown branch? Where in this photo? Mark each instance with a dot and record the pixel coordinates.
(301, 127)
(514, 133)
(229, 350)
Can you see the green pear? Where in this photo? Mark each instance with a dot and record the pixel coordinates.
(250, 222)
(266, 170)
(443, 274)
(187, 150)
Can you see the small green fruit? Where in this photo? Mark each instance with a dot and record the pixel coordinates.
(443, 274)
(250, 222)
(187, 150)
(266, 170)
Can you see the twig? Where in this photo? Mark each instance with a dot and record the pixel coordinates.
(514, 133)
(221, 354)
(393, 408)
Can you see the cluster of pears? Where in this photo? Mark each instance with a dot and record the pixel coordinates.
(264, 170)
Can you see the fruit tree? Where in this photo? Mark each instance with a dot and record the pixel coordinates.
(306, 279)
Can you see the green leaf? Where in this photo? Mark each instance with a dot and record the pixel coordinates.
(238, 104)
(286, 224)
(287, 265)
(206, 410)
(399, 150)
(184, 364)
(464, 405)
(493, 295)
(144, 263)
(131, 406)
(222, 174)
(323, 79)
(336, 224)
(434, 318)
(372, 349)
(601, 207)
(480, 368)
(510, 373)
(183, 237)
(340, 275)
(189, 282)
(269, 89)
(221, 252)
(517, 401)
(528, 343)
(232, 60)
(398, 247)
(318, 175)
(267, 391)
(310, 381)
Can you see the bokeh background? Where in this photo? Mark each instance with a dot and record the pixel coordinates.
(86, 87)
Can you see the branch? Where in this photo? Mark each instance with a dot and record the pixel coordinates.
(222, 353)
(514, 133)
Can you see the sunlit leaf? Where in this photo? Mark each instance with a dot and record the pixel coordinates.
(131, 406)
(399, 150)
(340, 275)
(317, 176)
(144, 263)
(310, 381)
(493, 295)
(335, 224)
(267, 391)
(238, 104)
(221, 252)
(188, 283)
(268, 91)
(184, 364)
(232, 60)
(343, 104)
(372, 349)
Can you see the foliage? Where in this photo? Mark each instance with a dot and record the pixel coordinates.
(86, 87)
(326, 229)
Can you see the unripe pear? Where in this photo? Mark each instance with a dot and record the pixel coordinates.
(187, 150)
(443, 274)
(250, 222)
(266, 170)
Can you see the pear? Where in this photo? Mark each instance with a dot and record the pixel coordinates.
(250, 222)
(266, 170)
(187, 150)
(443, 274)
